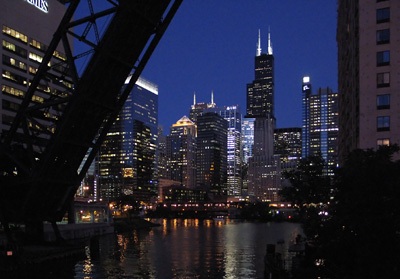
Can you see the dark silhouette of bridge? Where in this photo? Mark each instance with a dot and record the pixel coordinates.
(43, 158)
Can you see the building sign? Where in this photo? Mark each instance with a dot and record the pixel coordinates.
(40, 4)
(306, 85)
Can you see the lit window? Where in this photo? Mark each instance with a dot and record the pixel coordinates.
(38, 45)
(12, 91)
(383, 79)
(15, 34)
(383, 123)
(59, 55)
(35, 57)
(14, 77)
(7, 60)
(16, 49)
(382, 142)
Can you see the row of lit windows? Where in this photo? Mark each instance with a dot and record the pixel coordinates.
(15, 34)
(20, 94)
(12, 91)
(16, 49)
(38, 45)
(9, 61)
(14, 77)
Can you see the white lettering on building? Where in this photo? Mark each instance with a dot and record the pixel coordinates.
(40, 4)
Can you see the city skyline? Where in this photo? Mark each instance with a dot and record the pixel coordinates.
(211, 46)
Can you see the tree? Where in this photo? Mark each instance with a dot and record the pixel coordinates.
(361, 239)
(361, 236)
(308, 183)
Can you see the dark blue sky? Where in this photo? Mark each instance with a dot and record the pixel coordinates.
(211, 45)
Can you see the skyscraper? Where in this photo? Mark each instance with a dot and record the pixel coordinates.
(128, 155)
(198, 108)
(234, 159)
(211, 155)
(24, 46)
(320, 124)
(263, 168)
(162, 153)
(181, 153)
(288, 146)
(247, 138)
(367, 35)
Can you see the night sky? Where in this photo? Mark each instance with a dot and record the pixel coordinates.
(211, 44)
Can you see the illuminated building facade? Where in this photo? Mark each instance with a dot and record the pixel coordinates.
(320, 125)
(128, 155)
(288, 146)
(247, 138)
(23, 47)
(198, 108)
(211, 154)
(162, 154)
(367, 37)
(234, 159)
(263, 166)
(181, 153)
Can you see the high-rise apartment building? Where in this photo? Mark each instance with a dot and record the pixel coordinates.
(181, 153)
(367, 37)
(263, 167)
(27, 30)
(320, 124)
(127, 161)
(211, 155)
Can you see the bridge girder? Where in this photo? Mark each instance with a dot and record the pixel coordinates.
(43, 154)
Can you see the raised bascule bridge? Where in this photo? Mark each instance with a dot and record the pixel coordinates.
(50, 146)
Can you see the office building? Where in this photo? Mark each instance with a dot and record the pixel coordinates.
(128, 155)
(211, 154)
(367, 37)
(320, 125)
(288, 146)
(234, 159)
(181, 153)
(263, 166)
(198, 108)
(27, 30)
(247, 138)
(162, 153)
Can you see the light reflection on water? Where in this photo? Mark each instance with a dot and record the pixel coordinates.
(188, 248)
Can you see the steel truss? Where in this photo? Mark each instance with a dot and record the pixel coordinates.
(50, 145)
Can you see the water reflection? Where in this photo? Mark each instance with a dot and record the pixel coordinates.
(188, 249)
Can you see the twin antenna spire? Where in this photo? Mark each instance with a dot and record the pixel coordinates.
(259, 43)
(258, 54)
(212, 97)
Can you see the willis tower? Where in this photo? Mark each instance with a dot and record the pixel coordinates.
(264, 168)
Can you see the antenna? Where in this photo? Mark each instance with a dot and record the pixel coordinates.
(259, 43)
(269, 42)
